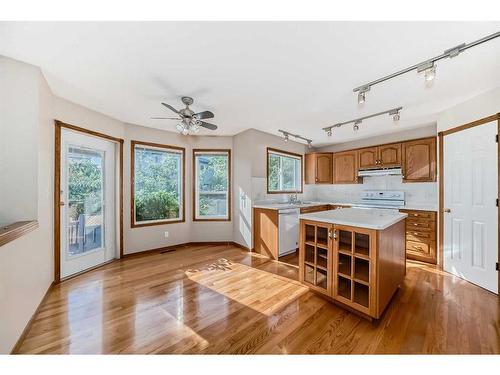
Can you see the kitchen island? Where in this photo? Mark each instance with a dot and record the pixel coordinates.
(355, 257)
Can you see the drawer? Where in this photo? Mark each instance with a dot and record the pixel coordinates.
(419, 225)
(430, 215)
(419, 247)
(306, 210)
(419, 236)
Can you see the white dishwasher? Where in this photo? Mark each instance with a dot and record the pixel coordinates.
(288, 220)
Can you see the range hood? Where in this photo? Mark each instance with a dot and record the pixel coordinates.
(380, 172)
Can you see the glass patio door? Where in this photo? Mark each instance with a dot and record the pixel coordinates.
(87, 202)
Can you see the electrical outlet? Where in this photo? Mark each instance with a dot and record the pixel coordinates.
(166, 234)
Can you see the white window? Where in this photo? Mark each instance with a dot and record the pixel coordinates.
(284, 172)
(158, 184)
(212, 179)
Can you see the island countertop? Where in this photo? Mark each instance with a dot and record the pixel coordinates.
(378, 219)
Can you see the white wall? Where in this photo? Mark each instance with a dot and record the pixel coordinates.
(420, 132)
(26, 264)
(19, 109)
(483, 105)
(250, 154)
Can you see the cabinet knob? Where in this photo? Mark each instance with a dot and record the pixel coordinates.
(447, 210)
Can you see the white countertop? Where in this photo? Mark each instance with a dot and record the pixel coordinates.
(281, 206)
(373, 218)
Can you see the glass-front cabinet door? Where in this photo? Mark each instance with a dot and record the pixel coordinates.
(315, 256)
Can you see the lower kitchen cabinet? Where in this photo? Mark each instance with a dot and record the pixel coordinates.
(421, 236)
(266, 229)
(356, 267)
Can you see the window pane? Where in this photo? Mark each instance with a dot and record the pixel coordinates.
(212, 172)
(158, 185)
(284, 173)
(85, 193)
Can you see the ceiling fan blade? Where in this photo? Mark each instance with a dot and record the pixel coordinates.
(166, 118)
(171, 108)
(208, 125)
(204, 115)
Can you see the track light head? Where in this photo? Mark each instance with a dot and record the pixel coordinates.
(361, 97)
(329, 132)
(285, 137)
(309, 144)
(430, 73)
(396, 117)
(356, 126)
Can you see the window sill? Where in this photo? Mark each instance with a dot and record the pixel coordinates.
(15, 230)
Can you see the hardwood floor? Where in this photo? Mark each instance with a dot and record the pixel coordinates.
(222, 299)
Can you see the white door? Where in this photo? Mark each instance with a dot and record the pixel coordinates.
(470, 193)
(88, 216)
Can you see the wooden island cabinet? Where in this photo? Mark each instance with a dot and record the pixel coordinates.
(359, 268)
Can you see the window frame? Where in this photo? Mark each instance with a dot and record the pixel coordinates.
(182, 219)
(229, 189)
(297, 156)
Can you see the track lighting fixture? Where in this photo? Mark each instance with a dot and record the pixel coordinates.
(287, 135)
(427, 66)
(395, 113)
(362, 93)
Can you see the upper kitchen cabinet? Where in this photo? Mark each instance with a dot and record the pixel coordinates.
(389, 155)
(318, 168)
(367, 157)
(345, 169)
(419, 160)
(380, 156)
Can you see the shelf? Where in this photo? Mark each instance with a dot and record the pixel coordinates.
(344, 287)
(309, 274)
(344, 264)
(344, 275)
(361, 256)
(362, 269)
(321, 278)
(309, 254)
(310, 243)
(322, 246)
(361, 282)
(322, 258)
(362, 244)
(310, 264)
(321, 268)
(345, 249)
(361, 294)
(310, 233)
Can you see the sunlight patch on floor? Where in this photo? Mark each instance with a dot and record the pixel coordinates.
(259, 290)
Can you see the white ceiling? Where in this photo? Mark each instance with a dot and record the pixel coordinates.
(296, 76)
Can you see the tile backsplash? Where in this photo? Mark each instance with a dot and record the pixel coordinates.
(415, 193)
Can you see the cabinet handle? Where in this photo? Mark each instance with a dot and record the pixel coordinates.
(316, 179)
(417, 247)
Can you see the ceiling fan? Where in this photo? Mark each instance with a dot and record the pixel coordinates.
(189, 121)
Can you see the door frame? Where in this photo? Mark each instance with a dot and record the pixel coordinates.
(57, 189)
(441, 136)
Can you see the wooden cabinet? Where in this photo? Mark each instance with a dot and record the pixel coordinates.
(380, 156)
(308, 210)
(316, 256)
(419, 160)
(356, 267)
(421, 236)
(318, 168)
(345, 167)
(390, 155)
(266, 232)
(367, 157)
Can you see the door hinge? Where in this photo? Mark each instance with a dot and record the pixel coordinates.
(496, 266)
(497, 202)
(496, 138)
